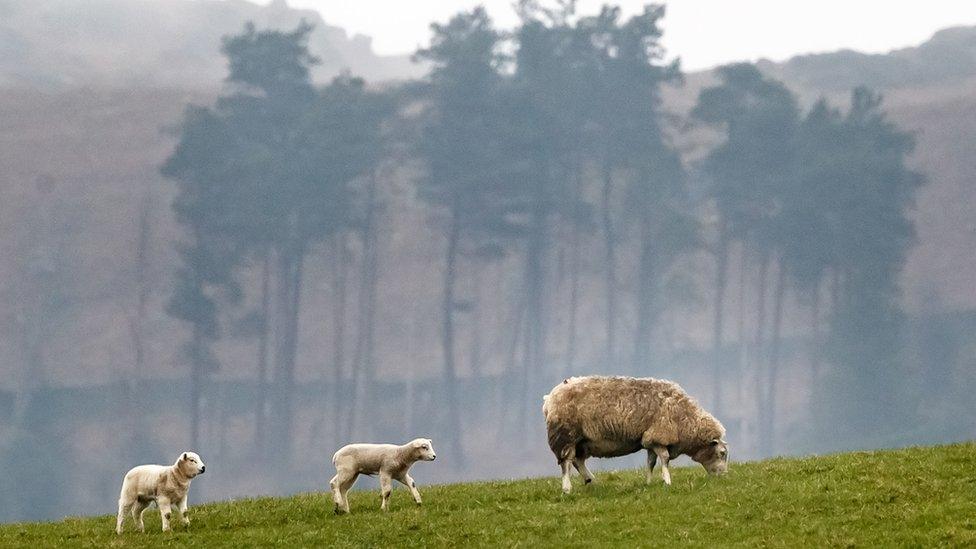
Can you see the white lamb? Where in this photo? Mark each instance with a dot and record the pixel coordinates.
(389, 461)
(163, 484)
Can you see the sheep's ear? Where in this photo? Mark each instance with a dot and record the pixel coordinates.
(715, 441)
(184, 456)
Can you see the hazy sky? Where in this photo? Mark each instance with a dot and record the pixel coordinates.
(703, 33)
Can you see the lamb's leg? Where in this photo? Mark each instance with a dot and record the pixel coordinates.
(184, 514)
(137, 510)
(407, 481)
(124, 507)
(664, 456)
(386, 487)
(165, 511)
(341, 483)
(336, 496)
(651, 462)
(580, 464)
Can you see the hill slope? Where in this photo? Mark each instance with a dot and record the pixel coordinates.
(62, 44)
(915, 496)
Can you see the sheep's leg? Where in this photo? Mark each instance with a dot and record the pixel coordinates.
(407, 481)
(165, 511)
(124, 507)
(664, 456)
(386, 487)
(580, 464)
(137, 511)
(567, 485)
(651, 462)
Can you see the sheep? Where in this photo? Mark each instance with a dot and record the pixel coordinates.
(388, 460)
(160, 483)
(600, 416)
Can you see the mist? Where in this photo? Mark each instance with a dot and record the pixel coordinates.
(253, 238)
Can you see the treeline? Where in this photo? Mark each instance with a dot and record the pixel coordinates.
(531, 151)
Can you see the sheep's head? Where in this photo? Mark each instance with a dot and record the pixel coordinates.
(423, 449)
(190, 464)
(714, 457)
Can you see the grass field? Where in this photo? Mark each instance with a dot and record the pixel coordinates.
(910, 497)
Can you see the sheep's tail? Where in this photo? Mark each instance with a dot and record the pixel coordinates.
(335, 456)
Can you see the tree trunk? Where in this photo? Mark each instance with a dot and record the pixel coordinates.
(293, 327)
(196, 385)
(645, 296)
(371, 256)
(340, 262)
(290, 298)
(450, 369)
(815, 343)
(740, 384)
(535, 326)
(365, 344)
(510, 399)
(760, 345)
(769, 414)
(281, 318)
(721, 272)
(574, 268)
(574, 282)
(476, 325)
(260, 409)
(611, 261)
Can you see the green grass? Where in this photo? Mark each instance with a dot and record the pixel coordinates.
(910, 497)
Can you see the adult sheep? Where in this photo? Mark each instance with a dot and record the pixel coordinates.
(599, 416)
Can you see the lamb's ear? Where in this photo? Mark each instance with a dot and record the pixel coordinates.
(183, 458)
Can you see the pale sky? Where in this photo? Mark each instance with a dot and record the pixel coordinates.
(704, 33)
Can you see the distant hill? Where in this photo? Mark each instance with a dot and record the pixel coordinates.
(893, 498)
(52, 44)
(948, 57)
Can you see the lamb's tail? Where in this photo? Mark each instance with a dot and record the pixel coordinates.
(334, 457)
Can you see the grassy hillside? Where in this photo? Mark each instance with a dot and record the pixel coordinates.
(915, 496)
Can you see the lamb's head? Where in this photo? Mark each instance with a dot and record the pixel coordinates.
(190, 464)
(714, 456)
(423, 449)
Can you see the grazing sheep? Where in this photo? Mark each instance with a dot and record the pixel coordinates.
(599, 416)
(163, 484)
(388, 460)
